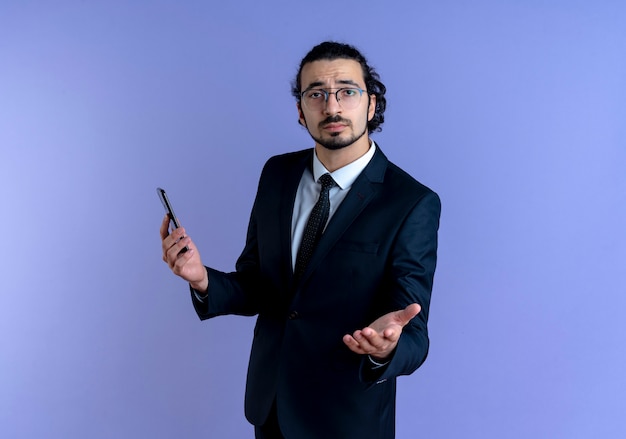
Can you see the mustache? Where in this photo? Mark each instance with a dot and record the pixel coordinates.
(335, 119)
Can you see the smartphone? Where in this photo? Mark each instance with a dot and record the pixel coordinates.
(174, 224)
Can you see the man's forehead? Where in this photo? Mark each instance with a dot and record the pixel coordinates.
(336, 71)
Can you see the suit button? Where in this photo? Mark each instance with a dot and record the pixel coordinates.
(293, 315)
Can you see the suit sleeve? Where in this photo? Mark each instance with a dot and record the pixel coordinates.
(413, 259)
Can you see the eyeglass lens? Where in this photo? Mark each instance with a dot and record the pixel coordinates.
(316, 99)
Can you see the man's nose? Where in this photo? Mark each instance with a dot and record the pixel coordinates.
(332, 104)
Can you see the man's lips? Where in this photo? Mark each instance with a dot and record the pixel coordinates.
(334, 127)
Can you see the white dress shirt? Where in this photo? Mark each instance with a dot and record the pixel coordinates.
(309, 191)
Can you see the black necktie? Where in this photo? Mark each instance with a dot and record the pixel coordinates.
(314, 226)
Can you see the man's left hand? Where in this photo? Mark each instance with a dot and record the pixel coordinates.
(381, 337)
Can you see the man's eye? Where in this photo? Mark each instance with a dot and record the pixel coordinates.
(315, 95)
(349, 92)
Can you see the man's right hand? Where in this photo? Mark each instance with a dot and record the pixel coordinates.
(187, 265)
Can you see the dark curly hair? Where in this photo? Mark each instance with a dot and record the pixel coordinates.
(331, 50)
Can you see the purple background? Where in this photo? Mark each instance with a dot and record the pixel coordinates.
(514, 112)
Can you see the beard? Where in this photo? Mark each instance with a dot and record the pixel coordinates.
(335, 141)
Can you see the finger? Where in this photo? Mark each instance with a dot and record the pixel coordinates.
(178, 233)
(174, 251)
(185, 266)
(370, 334)
(392, 334)
(381, 340)
(350, 341)
(166, 245)
(181, 261)
(172, 238)
(369, 340)
(165, 224)
(352, 344)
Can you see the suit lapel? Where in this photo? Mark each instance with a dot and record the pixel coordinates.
(361, 193)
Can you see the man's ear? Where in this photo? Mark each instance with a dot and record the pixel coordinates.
(301, 119)
(371, 110)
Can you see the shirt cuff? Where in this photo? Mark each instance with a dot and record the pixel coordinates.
(375, 364)
(200, 297)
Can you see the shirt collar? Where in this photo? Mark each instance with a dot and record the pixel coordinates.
(345, 176)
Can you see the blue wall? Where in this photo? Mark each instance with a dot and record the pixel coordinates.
(512, 111)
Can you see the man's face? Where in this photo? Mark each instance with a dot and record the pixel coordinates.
(333, 126)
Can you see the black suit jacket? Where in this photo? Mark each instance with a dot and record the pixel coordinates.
(377, 255)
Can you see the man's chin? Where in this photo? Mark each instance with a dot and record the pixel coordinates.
(335, 144)
(335, 141)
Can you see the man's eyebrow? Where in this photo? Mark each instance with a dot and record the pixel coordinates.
(348, 82)
(340, 81)
(314, 84)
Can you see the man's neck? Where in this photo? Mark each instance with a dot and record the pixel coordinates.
(334, 159)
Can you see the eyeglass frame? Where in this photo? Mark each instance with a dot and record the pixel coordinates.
(327, 93)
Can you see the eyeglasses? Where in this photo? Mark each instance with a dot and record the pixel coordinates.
(316, 98)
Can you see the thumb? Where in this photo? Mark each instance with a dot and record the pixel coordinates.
(406, 314)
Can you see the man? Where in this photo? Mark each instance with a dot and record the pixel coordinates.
(340, 315)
